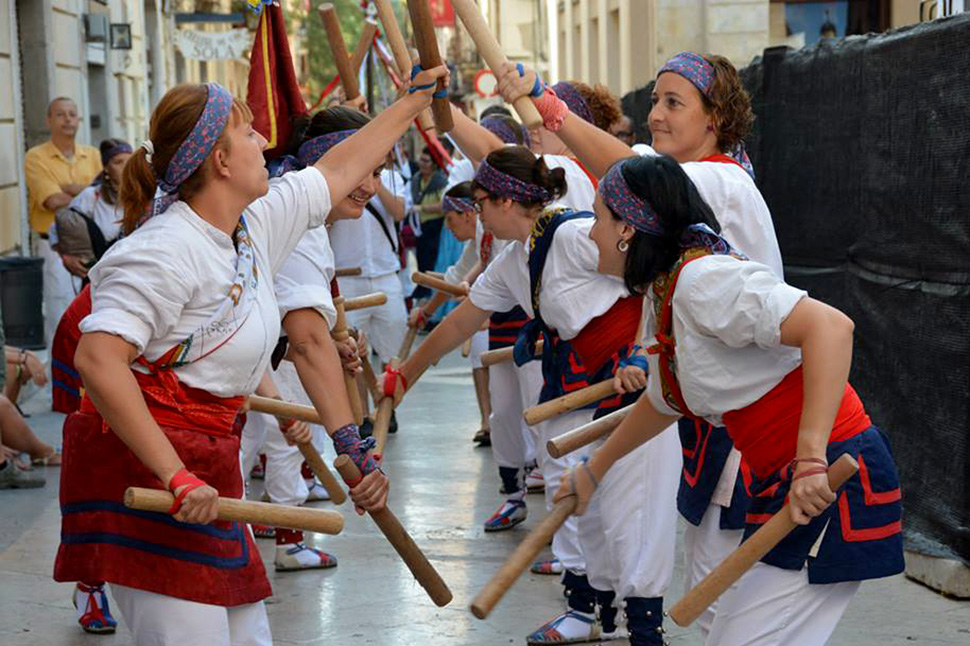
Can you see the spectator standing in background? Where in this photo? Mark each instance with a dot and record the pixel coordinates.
(426, 190)
(57, 171)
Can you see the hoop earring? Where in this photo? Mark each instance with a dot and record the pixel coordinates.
(622, 246)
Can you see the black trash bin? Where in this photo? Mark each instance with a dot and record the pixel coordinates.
(22, 301)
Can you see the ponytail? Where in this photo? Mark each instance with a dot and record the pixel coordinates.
(137, 190)
(551, 179)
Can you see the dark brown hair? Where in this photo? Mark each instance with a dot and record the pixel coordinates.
(334, 119)
(461, 190)
(729, 104)
(604, 106)
(519, 162)
(172, 121)
(662, 182)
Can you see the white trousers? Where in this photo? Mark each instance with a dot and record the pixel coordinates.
(770, 606)
(283, 481)
(60, 287)
(705, 546)
(159, 620)
(509, 386)
(251, 442)
(629, 532)
(385, 325)
(478, 346)
(565, 544)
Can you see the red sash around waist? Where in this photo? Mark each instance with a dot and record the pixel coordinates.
(174, 404)
(608, 333)
(766, 432)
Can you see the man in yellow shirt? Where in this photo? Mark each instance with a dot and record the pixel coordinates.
(56, 171)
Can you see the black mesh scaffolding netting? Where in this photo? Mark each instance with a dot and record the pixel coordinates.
(862, 151)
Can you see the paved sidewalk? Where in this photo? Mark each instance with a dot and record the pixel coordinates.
(442, 491)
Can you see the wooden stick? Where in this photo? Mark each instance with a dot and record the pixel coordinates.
(245, 511)
(341, 59)
(348, 271)
(427, 44)
(750, 552)
(400, 540)
(420, 278)
(405, 350)
(370, 379)
(466, 347)
(367, 33)
(323, 474)
(490, 50)
(340, 334)
(289, 410)
(399, 49)
(566, 403)
(492, 357)
(385, 408)
(367, 300)
(522, 557)
(284, 409)
(587, 433)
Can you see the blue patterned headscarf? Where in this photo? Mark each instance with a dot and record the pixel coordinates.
(117, 149)
(312, 150)
(196, 147)
(696, 69)
(506, 186)
(639, 214)
(692, 67)
(630, 207)
(459, 204)
(573, 100)
(501, 129)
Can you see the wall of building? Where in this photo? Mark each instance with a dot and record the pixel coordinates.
(612, 42)
(737, 29)
(43, 55)
(622, 43)
(12, 199)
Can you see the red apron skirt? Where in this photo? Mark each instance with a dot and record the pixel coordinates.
(102, 540)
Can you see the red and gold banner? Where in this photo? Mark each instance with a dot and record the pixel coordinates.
(273, 93)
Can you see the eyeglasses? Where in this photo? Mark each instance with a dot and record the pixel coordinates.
(477, 204)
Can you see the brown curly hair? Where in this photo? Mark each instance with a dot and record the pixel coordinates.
(604, 106)
(729, 103)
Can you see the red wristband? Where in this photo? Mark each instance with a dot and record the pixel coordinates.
(814, 471)
(794, 463)
(186, 479)
(390, 381)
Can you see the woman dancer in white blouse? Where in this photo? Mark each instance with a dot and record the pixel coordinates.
(188, 297)
(737, 346)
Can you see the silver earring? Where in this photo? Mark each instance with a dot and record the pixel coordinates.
(623, 246)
